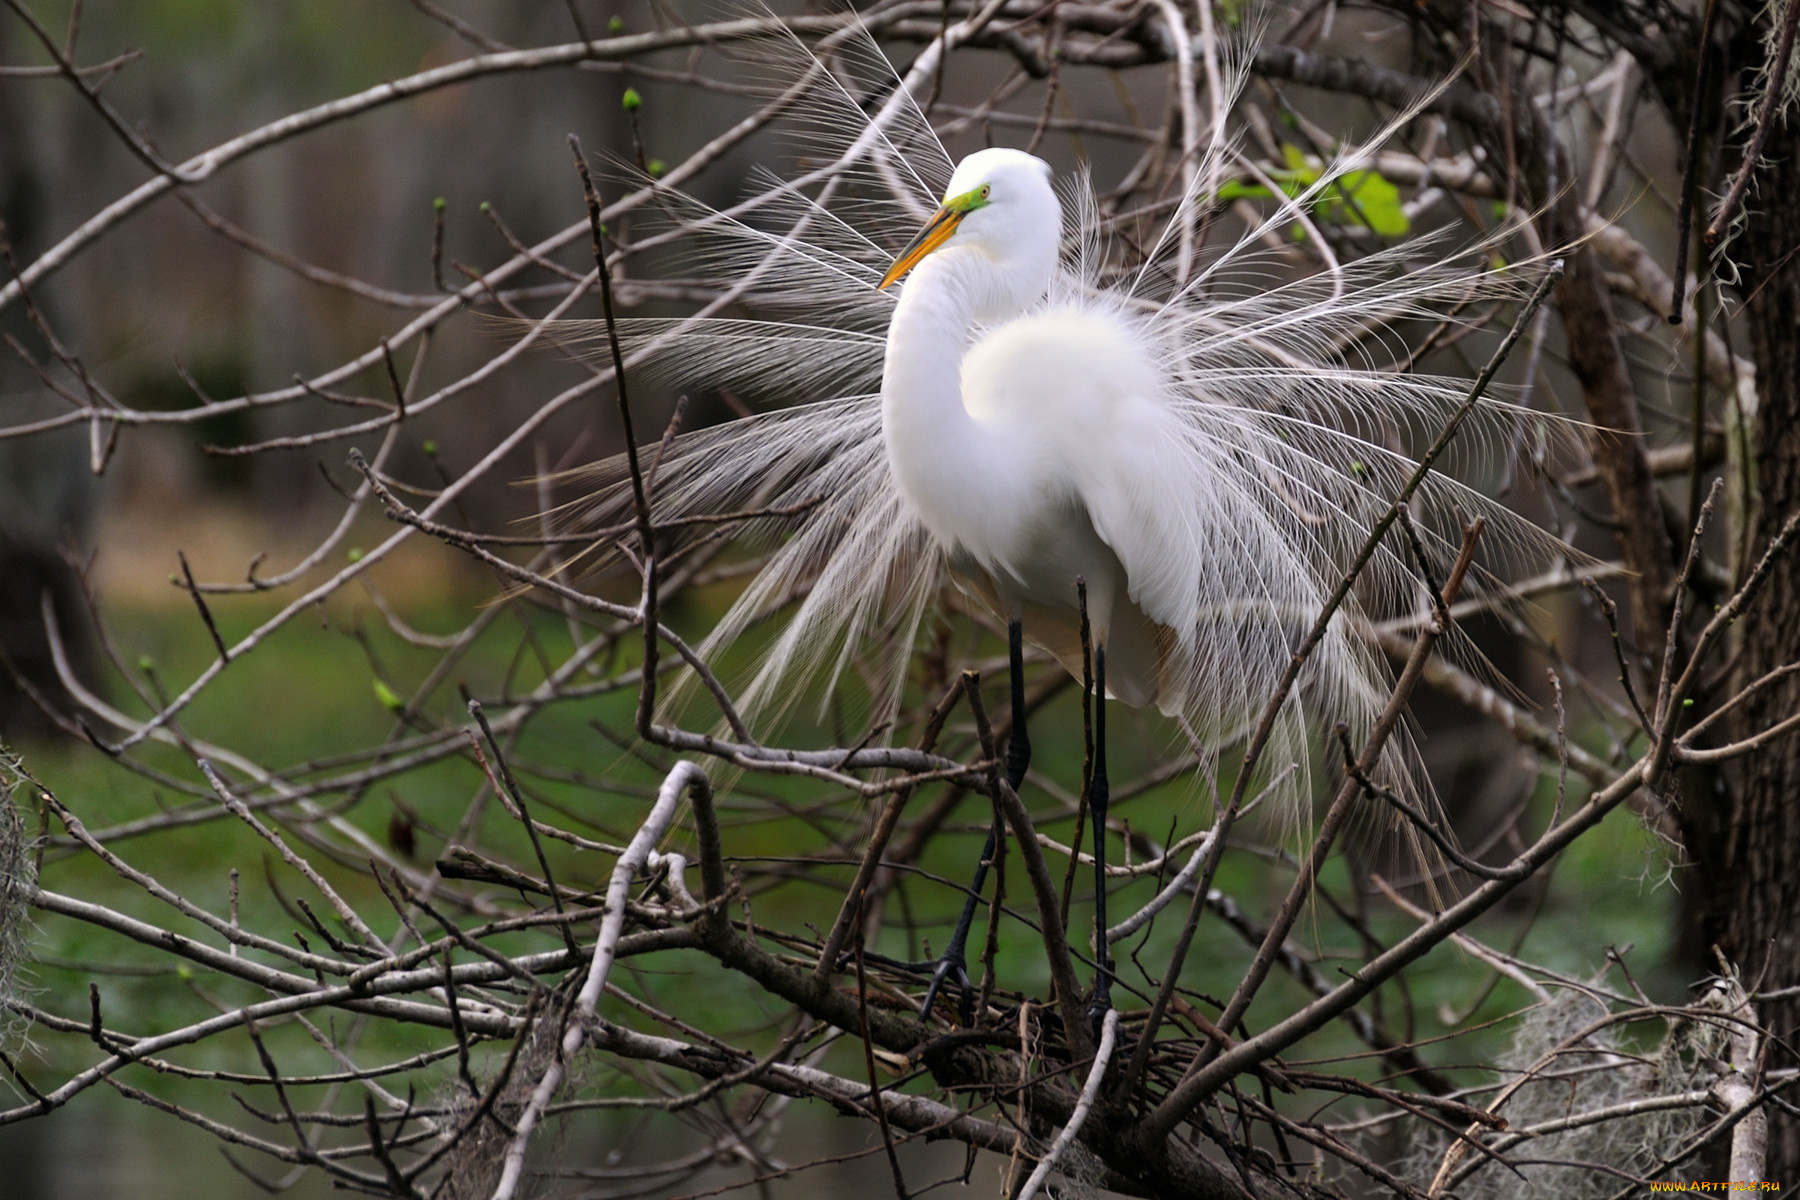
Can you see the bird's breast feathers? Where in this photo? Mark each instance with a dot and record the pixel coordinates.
(1064, 370)
(1077, 399)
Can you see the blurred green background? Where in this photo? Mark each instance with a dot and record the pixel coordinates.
(359, 197)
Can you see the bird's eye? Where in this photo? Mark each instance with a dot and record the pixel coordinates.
(987, 189)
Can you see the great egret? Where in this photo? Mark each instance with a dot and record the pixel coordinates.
(1202, 449)
(1029, 456)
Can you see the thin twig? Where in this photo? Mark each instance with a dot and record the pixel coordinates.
(518, 798)
(1775, 92)
(685, 776)
(1090, 1090)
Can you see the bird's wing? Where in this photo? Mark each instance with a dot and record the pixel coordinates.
(1205, 556)
(1198, 567)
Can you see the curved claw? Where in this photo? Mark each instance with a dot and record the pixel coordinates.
(1100, 1003)
(951, 962)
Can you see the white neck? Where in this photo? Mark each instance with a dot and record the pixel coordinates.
(937, 451)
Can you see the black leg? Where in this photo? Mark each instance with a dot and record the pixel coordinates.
(1018, 757)
(1018, 744)
(1099, 794)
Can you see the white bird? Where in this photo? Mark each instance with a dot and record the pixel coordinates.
(1205, 454)
(1029, 455)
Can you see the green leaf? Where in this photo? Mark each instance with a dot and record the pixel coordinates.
(1377, 203)
(1296, 161)
(386, 695)
(1359, 197)
(631, 101)
(1244, 191)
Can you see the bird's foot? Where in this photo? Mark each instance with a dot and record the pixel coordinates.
(951, 964)
(1099, 1002)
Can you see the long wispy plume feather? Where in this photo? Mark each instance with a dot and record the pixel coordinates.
(1282, 441)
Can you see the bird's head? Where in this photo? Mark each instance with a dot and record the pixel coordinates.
(999, 204)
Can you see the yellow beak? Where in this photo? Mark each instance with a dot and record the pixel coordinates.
(937, 231)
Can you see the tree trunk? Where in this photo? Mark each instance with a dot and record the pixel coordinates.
(1754, 893)
(45, 495)
(1741, 827)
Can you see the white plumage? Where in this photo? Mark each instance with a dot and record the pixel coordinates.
(1028, 453)
(1207, 454)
